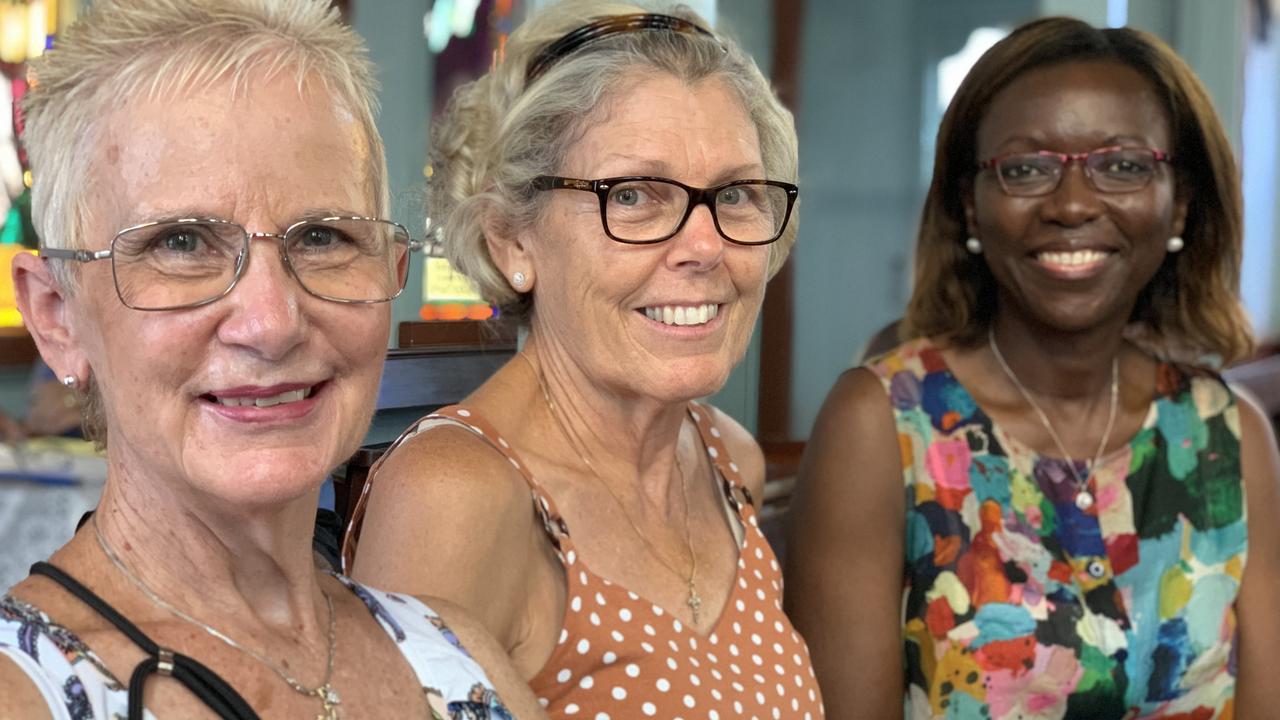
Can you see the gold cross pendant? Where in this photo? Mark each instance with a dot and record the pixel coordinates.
(694, 602)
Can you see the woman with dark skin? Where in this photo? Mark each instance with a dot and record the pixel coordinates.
(1076, 276)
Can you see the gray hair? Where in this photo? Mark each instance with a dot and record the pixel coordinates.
(497, 134)
(148, 49)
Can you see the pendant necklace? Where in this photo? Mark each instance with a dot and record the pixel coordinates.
(1084, 499)
(328, 697)
(693, 600)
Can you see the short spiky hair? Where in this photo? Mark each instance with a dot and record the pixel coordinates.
(144, 49)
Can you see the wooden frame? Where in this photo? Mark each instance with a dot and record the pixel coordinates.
(774, 417)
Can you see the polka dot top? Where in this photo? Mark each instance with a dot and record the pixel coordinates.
(621, 656)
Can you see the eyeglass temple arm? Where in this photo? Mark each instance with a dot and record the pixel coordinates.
(83, 256)
(552, 182)
(431, 245)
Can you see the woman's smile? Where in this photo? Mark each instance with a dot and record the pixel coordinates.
(284, 402)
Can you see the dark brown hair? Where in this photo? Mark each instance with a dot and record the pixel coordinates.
(1192, 304)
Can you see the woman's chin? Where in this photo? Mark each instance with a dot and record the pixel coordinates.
(262, 479)
(681, 384)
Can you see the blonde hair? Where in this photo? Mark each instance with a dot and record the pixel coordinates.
(122, 50)
(498, 133)
(1192, 306)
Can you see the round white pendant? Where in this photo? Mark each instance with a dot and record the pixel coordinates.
(1084, 500)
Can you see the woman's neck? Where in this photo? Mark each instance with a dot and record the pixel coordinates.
(211, 561)
(628, 441)
(1055, 364)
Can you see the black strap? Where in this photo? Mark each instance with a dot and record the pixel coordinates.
(212, 690)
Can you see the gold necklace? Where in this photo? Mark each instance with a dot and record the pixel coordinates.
(1084, 499)
(328, 697)
(693, 600)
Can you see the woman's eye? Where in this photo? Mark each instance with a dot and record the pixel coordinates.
(626, 196)
(319, 237)
(180, 242)
(1021, 171)
(1124, 166)
(731, 196)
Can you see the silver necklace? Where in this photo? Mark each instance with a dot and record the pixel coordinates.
(1084, 499)
(693, 600)
(328, 697)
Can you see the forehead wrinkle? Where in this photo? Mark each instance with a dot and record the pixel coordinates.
(695, 146)
(199, 173)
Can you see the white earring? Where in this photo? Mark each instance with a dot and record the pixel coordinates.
(973, 245)
(1174, 244)
(70, 381)
(518, 279)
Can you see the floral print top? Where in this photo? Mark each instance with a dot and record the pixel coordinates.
(1019, 604)
(77, 686)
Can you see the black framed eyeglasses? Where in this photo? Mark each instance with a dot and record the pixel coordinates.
(186, 263)
(642, 210)
(1114, 169)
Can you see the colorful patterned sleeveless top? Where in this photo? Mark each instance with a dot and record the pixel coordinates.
(1018, 604)
(621, 657)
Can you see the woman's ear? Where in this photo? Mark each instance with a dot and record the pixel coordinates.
(509, 249)
(43, 303)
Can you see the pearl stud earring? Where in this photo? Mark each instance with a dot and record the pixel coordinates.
(1174, 244)
(973, 245)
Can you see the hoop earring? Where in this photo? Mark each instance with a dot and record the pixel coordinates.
(973, 245)
(1174, 244)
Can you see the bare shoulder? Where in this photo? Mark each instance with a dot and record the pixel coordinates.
(1260, 465)
(856, 400)
(455, 467)
(1257, 693)
(852, 457)
(19, 696)
(744, 450)
(1256, 432)
(855, 425)
(477, 641)
(448, 515)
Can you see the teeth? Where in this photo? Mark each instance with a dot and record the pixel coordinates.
(1071, 259)
(683, 314)
(284, 397)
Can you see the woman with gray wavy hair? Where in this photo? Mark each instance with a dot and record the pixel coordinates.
(214, 275)
(622, 183)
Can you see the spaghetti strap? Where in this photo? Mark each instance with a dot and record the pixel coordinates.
(205, 684)
(734, 488)
(461, 416)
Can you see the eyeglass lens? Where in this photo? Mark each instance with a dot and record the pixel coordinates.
(179, 264)
(1115, 170)
(650, 210)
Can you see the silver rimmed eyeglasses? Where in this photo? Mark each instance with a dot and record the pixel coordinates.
(1115, 169)
(642, 210)
(186, 263)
